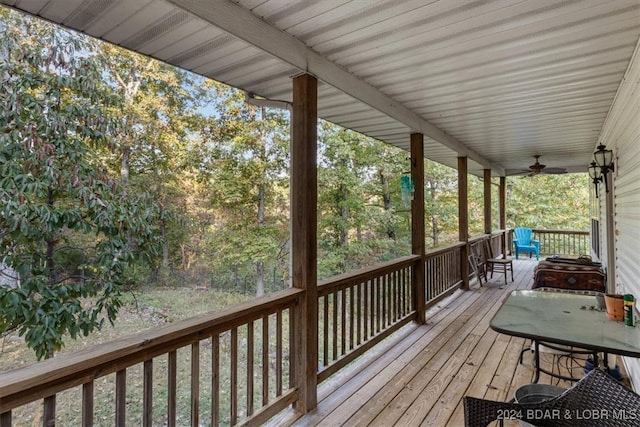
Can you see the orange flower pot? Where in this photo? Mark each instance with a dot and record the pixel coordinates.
(615, 306)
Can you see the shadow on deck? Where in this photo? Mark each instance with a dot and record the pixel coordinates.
(419, 375)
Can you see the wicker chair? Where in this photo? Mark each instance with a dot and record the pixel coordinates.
(597, 400)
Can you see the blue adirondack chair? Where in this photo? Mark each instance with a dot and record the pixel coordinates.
(523, 242)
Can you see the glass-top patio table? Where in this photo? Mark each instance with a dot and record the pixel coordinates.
(564, 319)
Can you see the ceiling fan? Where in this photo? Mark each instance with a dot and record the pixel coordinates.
(538, 168)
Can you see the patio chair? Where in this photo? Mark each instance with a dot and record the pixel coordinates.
(597, 400)
(478, 267)
(477, 262)
(491, 262)
(523, 242)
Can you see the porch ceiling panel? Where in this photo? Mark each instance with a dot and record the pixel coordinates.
(498, 81)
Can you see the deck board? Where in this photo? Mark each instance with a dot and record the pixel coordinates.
(418, 376)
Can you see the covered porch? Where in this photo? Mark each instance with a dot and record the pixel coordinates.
(365, 347)
(376, 365)
(419, 375)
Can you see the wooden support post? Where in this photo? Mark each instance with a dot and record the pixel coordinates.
(503, 214)
(417, 224)
(487, 202)
(463, 219)
(304, 254)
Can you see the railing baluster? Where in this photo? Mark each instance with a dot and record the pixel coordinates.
(215, 380)
(292, 353)
(359, 313)
(404, 277)
(394, 296)
(121, 397)
(87, 404)
(5, 419)
(343, 320)
(195, 383)
(390, 298)
(147, 398)
(351, 318)
(431, 279)
(385, 300)
(279, 367)
(403, 291)
(409, 291)
(367, 312)
(49, 417)
(334, 328)
(396, 293)
(172, 371)
(325, 332)
(378, 304)
(234, 376)
(250, 349)
(265, 360)
(388, 278)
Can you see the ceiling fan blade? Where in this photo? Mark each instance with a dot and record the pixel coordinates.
(554, 171)
(518, 173)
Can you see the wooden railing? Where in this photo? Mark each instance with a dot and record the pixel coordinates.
(357, 310)
(244, 375)
(230, 367)
(442, 272)
(563, 242)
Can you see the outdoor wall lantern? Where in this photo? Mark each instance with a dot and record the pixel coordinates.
(604, 159)
(595, 175)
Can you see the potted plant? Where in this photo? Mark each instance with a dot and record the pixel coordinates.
(615, 306)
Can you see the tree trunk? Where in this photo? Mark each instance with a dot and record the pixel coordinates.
(261, 203)
(259, 278)
(165, 246)
(435, 232)
(344, 214)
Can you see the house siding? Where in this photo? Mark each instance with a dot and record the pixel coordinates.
(621, 133)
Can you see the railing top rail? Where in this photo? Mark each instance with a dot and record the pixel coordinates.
(430, 253)
(479, 238)
(366, 273)
(545, 231)
(59, 373)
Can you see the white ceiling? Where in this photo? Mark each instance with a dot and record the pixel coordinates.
(498, 81)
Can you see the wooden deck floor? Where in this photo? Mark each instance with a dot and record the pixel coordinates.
(419, 376)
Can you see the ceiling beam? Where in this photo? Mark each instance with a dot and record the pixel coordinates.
(244, 25)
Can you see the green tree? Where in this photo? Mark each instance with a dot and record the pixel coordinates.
(549, 201)
(389, 214)
(244, 160)
(58, 203)
(441, 203)
(160, 112)
(358, 200)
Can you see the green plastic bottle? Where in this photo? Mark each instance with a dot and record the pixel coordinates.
(629, 301)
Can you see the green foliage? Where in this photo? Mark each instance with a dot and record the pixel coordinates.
(242, 161)
(555, 202)
(441, 204)
(362, 219)
(55, 114)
